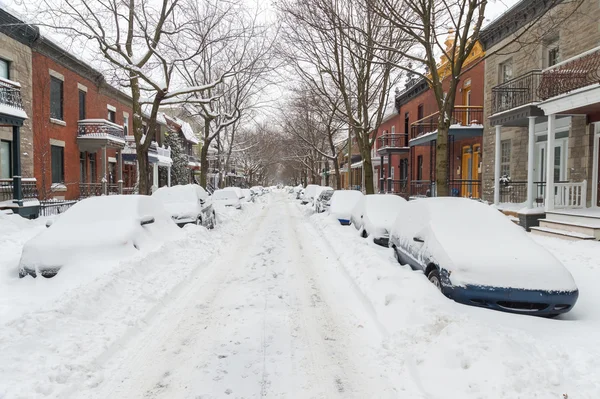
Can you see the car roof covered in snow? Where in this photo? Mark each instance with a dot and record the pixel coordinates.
(180, 193)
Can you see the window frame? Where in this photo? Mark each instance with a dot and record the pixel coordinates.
(501, 71)
(53, 114)
(113, 113)
(10, 156)
(419, 167)
(58, 176)
(82, 106)
(7, 63)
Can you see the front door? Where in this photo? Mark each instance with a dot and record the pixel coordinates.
(467, 171)
(560, 161)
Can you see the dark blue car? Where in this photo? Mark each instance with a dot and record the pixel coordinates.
(475, 255)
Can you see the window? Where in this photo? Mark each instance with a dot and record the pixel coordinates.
(420, 167)
(82, 95)
(404, 169)
(82, 173)
(56, 98)
(4, 69)
(5, 159)
(406, 122)
(112, 116)
(393, 129)
(505, 158)
(392, 170)
(125, 124)
(505, 71)
(551, 53)
(57, 156)
(93, 168)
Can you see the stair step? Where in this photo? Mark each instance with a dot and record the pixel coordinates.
(583, 228)
(569, 235)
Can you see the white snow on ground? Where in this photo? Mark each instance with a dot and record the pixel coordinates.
(280, 302)
(473, 352)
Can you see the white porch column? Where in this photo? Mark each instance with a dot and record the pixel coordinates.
(595, 166)
(530, 161)
(169, 176)
(155, 174)
(550, 163)
(497, 166)
(120, 171)
(104, 175)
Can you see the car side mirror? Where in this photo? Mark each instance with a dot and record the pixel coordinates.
(418, 239)
(202, 201)
(49, 223)
(146, 220)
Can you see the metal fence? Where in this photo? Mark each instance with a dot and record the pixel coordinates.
(55, 207)
(28, 188)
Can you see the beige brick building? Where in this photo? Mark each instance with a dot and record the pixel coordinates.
(542, 69)
(15, 65)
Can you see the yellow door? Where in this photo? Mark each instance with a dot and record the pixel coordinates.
(475, 174)
(467, 169)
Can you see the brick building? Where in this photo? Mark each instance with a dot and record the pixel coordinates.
(542, 108)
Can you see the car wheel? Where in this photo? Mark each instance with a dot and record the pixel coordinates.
(396, 255)
(365, 234)
(199, 221)
(434, 278)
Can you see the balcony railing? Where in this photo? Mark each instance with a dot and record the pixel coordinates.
(10, 97)
(463, 115)
(90, 190)
(100, 128)
(457, 188)
(387, 141)
(28, 187)
(571, 74)
(516, 92)
(516, 192)
(399, 187)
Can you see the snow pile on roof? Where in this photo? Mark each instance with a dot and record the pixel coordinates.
(160, 118)
(187, 131)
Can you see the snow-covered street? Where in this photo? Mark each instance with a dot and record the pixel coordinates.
(281, 302)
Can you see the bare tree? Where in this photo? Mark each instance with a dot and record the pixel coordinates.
(145, 42)
(347, 59)
(448, 29)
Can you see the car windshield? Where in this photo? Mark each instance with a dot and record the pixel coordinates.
(224, 195)
(326, 195)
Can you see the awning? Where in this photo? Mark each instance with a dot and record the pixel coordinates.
(459, 132)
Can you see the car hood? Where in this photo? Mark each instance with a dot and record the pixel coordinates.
(182, 209)
(513, 261)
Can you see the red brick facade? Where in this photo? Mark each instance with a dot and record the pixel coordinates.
(63, 133)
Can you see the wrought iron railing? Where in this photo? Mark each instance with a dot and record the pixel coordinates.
(422, 188)
(99, 128)
(463, 115)
(571, 74)
(28, 189)
(10, 94)
(90, 190)
(399, 187)
(465, 188)
(55, 207)
(516, 192)
(516, 92)
(386, 141)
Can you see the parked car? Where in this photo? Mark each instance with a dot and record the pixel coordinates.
(300, 194)
(238, 191)
(225, 197)
(187, 204)
(318, 192)
(248, 195)
(323, 200)
(375, 214)
(105, 227)
(342, 204)
(309, 194)
(257, 190)
(476, 256)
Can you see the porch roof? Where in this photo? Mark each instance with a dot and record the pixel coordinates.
(459, 132)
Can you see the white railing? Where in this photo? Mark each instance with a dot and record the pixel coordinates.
(164, 151)
(570, 195)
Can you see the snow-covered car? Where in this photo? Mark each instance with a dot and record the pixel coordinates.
(475, 255)
(248, 195)
(105, 227)
(226, 197)
(309, 194)
(238, 191)
(323, 200)
(343, 203)
(318, 192)
(188, 203)
(257, 190)
(375, 214)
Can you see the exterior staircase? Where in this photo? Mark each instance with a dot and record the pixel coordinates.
(580, 224)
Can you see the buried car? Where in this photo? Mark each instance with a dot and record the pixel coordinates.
(188, 203)
(226, 198)
(342, 204)
(97, 228)
(323, 200)
(375, 214)
(248, 195)
(309, 194)
(476, 256)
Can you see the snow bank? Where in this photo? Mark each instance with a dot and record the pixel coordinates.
(57, 334)
(473, 352)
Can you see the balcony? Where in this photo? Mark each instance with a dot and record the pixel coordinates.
(160, 155)
(28, 188)
(463, 119)
(93, 134)
(11, 103)
(516, 92)
(388, 143)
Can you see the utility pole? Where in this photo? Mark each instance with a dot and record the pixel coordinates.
(349, 159)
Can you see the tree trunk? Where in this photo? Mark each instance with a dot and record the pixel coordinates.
(138, 133)
(365, 151)
(441, 162)
(338, 177)
(204, 154)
